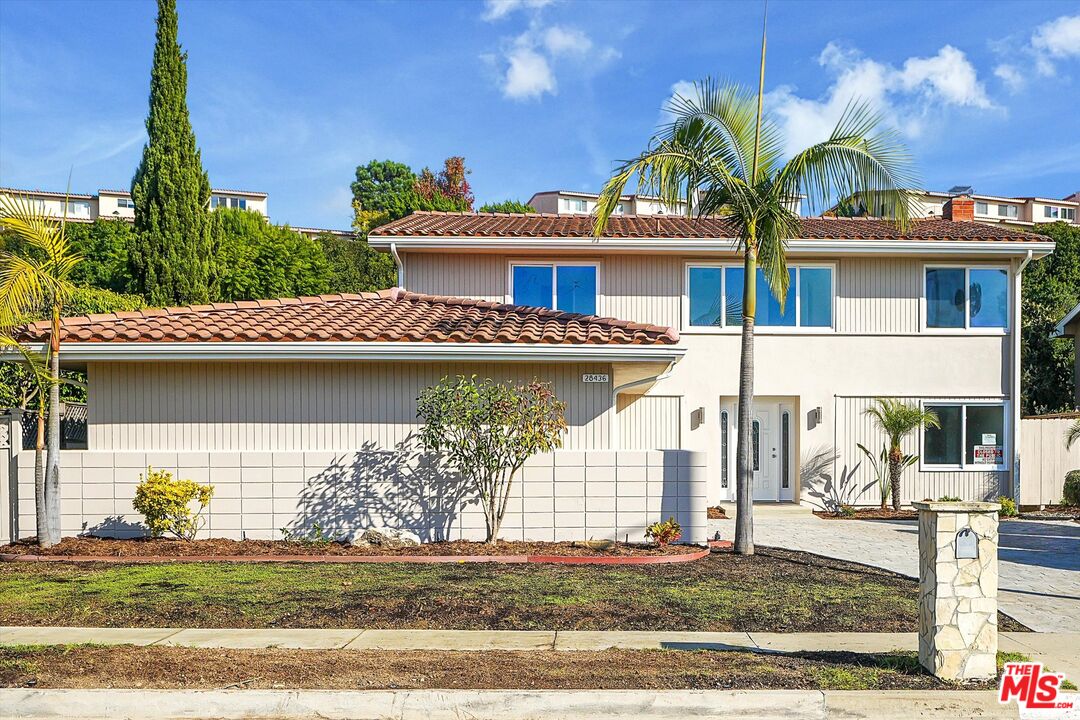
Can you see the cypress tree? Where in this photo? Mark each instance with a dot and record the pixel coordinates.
(171, 253)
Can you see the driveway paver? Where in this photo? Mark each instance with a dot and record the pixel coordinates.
(1039, 562)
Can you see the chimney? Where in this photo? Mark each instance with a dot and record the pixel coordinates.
(959, 209)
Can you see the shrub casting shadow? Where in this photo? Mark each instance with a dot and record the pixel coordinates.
(403, 488)
(820, 487)
(115, 526)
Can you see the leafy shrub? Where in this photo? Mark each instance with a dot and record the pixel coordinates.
(664, 532)
(846, 510)
(1071, 491)
(949, 498)
(1008, 506)
(166, 504)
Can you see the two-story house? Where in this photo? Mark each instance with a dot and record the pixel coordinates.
(1021, 212)
(304, 410)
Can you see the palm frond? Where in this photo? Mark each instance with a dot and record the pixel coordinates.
(896, 418)
(1072, 435)
(860, 159)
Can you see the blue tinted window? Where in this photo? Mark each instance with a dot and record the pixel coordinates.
(705, 296)
(815, 297)
(769, 311)
(733, 279)
(532, 285)
(989, 298)
(945, 297)
(576, 288)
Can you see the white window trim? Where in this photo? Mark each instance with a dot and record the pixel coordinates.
(554, 264)
(964, 466)
(797, 329)
(967, 329)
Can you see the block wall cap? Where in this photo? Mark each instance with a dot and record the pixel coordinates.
(958, 507)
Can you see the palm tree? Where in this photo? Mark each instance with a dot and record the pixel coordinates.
(33, 280)
(897, 420)
(720, 155)
(1072, 435)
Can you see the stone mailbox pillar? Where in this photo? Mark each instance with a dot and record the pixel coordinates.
(958, 585)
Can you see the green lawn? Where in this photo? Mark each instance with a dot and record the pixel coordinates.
(777, 591)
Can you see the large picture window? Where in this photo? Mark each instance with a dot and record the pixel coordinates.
(714, 296)
(570, 287)
(967, 298)
(971, 437)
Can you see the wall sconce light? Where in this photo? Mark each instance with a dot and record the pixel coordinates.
(697, 418)
(813, 418)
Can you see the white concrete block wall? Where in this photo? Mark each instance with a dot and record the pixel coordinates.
(566, 495)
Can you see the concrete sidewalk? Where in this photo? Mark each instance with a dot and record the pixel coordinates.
(25, 704)
(1057, 650)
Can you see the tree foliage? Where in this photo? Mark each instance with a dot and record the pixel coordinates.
(1051, 287)
(354, 266)
(487, 430)
(104, 246)
(170, 256)
(898, 419)
(507, 206)
(385, 190)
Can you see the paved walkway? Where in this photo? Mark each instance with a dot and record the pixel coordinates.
(1039, 567)
(1057, 650)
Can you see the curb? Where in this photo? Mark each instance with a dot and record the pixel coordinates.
(499, 704)
(433, 559)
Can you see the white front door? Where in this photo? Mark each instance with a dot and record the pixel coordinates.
(764, 452)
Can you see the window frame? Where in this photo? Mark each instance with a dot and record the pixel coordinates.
(1006, 210)
(967, 329)
(985, 207)
(554, 264)
(1006, 445)
(798, 328)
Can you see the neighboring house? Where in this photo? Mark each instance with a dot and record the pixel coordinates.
(570, 202)
(992, 209)
(1069, 327)
(117, 204)
(303, 410)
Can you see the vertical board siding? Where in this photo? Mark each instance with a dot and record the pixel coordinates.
(854, 475)
(303, 406)
(1044, 459)
(649, 421)
(878, 295)
(469, 275)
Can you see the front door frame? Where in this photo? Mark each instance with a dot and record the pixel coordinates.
(771, 449)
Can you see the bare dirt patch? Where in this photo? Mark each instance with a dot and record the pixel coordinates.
(189, 668)
(165, 547)
(717, 512)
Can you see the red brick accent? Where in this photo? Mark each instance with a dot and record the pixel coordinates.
(960, 209)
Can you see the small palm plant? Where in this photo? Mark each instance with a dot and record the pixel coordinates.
(35, 280)
(880, 463)
(897, 420)
(1072, 435)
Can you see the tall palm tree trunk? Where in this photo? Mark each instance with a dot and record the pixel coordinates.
(52, 472)
(39, 476)
(744, 469)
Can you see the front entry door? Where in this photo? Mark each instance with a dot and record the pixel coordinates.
(764, 451)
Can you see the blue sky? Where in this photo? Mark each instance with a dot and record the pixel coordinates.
(288, 97)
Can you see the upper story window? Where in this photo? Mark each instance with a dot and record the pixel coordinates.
(570, 287)
(78, 207)
(971, 437)
(1068, 213)
(1051, 211)
(982, 208)
(1007, 211)
(714, 297)
(575, 205)
(967, 298)
(225, 201)
(125, 203)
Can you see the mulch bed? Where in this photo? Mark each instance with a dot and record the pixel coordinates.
(1052, 512)
(716, 512)
(84, 547)
(870, 514)
(191, 668)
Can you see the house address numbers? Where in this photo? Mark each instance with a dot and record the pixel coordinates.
(594, 378)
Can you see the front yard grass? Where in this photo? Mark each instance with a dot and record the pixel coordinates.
(126, 666)
(773, 591)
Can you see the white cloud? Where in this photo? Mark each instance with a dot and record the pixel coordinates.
(1058, 38)
(498, 9)
(1051, 43)
(907, 97)
(1010, 75)
(529, 75)
(566, 41)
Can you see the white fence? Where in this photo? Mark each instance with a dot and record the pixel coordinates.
(1044, 459)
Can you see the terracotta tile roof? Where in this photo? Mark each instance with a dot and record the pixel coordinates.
(387, 316)
(543, 225)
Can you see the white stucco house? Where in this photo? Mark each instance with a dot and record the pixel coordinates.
(301, 410)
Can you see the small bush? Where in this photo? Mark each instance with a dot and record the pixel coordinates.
(664, 532)
(166, 504)
(1071, 491)
(1008, 506)
(949, 498)
(846, 510)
